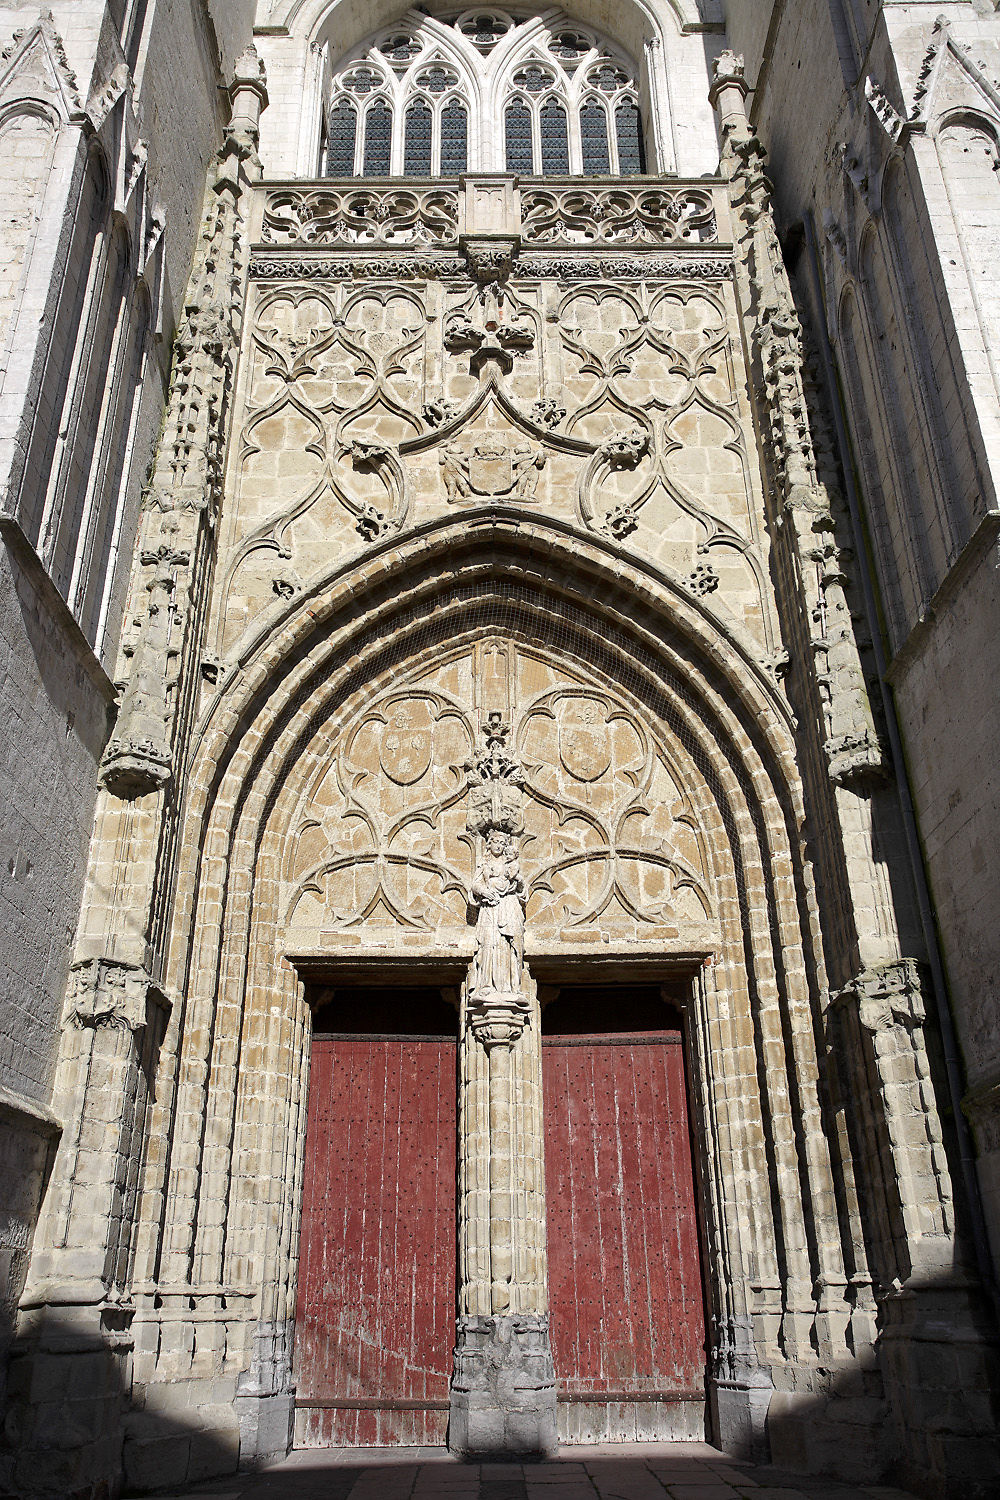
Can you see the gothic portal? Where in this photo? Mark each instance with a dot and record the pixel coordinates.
(498, 995)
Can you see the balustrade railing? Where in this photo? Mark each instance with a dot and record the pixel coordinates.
(565, 212)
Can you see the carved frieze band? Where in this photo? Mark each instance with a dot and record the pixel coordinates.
(438, 268)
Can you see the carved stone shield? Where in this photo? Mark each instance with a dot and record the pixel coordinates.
(491, 470)
(584, 739)
(405, 748)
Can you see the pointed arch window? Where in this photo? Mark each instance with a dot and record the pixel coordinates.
(517, 135)
(378, 140)
(554, 139)
(628, 133)
(417, 141)
(594, 139)
(454, 139)
(342, 131)
(420, 99)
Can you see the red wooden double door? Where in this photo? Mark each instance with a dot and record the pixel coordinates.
(376, 1303)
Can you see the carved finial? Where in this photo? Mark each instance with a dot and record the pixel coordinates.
(249, 70)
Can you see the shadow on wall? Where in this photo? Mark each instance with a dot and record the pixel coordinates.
(72, 1431)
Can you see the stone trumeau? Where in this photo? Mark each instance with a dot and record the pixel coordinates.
(507, 595)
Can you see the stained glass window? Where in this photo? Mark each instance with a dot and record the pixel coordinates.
(362, 81)
(555, 139)
(417, 141)
(609, 78)
(342, 130)
(568, 99)
(454, 139)
(400, 50)
(435, 80)
(533, 79)
(594, 140)
(485, 30)
(628, 130)
(517, 138)
(378, 140)
(569, 46)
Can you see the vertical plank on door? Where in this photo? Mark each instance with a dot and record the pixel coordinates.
(376, 1298)
(625, 1286)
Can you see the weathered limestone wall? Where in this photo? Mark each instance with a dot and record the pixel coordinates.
(543, 471)
(895, 163)
(77, 101)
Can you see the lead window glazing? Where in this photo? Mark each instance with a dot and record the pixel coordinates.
(484, 90)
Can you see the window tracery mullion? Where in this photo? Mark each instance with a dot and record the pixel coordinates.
(519, 77)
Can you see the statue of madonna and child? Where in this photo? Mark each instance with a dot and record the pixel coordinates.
(498, 891)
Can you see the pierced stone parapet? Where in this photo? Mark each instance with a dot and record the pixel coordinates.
(626, 212)
(618, 216)
(354, 216)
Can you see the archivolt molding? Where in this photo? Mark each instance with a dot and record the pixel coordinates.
(313, 19)
(588, 565)
(342, 668)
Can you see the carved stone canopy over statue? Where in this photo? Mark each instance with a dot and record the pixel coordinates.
(495, 782)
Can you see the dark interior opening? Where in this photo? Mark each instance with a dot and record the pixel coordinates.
(612, 1009)
(397, 1010)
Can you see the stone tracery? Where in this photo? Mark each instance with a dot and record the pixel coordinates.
(419, 101)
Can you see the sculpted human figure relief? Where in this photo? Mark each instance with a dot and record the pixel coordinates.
(498, 890)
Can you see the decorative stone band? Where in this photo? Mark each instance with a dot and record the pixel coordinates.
(110, 992)
(278, 267)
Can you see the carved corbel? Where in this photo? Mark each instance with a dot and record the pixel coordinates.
(623, 450)
(373, 457)
(113, 993)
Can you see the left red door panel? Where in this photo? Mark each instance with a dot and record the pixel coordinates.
(375, 1318)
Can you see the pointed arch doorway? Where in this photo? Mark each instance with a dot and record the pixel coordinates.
(377, 1294)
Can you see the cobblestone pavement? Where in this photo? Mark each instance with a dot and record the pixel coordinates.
(647, 1471)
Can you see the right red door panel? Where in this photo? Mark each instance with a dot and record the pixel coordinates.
(625, 1290)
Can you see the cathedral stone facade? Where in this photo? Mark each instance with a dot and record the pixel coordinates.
(500, 528)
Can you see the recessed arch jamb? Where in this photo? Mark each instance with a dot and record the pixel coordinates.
(240, 765)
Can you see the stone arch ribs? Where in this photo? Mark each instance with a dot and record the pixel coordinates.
(304, 37)
(220, 1203)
